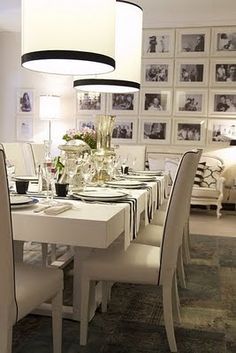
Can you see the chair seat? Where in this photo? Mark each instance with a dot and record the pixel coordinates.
(205, 192)
(34, 285)
(139, 264)
(151, 235)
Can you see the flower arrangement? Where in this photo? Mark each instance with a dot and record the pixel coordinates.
(85, 134)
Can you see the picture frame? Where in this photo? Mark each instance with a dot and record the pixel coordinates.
(221, 131)
(223, 41)
(157, 72)
(125, 130)
(158, 43)
(191, 72)
(85, 121)
(154, 130)
(123, 103)
(25, 101)
(24, 128)
(190, 102)
(91, 103)
(192, 42)
(189, 131)
(222, 103)
(156, 102)
(223, 72)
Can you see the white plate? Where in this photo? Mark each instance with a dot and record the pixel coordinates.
(148, 172)
(24, 205)
(101, 194)
(26, 177)
(140, 177)
(132, 184)
(19, 199)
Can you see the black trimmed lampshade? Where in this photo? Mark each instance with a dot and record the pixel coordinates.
(127, 75)
(71, 37)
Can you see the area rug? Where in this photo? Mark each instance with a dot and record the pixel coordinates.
(134, 321)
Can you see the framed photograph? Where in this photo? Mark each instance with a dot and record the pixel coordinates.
(155, 130)
(190, 102)
(189, 131)
(157, 72)
(222, 103)
(158, 43)
(123, 103)
(90, 103)
(24, 128)
(223, 41)
(25, 101)
(223, 72)
(191, 72)
(221, 131)
(125, 130)
(83, 122)
(192, 42)
(156, 101)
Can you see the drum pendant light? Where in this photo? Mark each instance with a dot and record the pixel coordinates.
(126, 77)
(70, 37)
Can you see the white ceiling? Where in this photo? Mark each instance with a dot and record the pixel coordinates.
(157, 13)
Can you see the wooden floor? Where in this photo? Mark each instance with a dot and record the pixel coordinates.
(204, 222)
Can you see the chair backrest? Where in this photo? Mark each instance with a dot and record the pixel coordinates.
(7, 280)
(38, 150)
(135, 155)
(176, 214)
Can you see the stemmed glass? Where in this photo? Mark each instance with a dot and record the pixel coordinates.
(49, 173)
(88, 172)
(71, 168)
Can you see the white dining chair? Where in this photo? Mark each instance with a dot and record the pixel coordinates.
(146, 264)
(23, 287)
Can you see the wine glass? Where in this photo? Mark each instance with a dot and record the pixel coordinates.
(88, 172)
(49, 173)
(71, 169)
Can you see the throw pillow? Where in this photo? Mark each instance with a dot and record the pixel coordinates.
(199, 174)
(210, 176)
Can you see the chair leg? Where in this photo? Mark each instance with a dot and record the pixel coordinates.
(180, 269)
(57, 322)
(105, 289)
(44, 247)
(5, 332)
(168, 317)
(84, 308)
(53, 252)
(175, 300)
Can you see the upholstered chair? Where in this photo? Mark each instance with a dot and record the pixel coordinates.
(146, 264)
(23, 287)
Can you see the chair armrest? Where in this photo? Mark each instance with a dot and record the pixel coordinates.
(220, 184)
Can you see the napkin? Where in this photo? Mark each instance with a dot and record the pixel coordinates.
(54, 210)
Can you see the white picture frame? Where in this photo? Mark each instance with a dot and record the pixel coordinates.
(223, 41)
(190, 102)
(223, 72)
(222, 103)
(125, 130)
(156, 102)
(192, 42)
(25, 101)
(157, 72)
(123, 103)
(158, 43)
(189, 131)
(85, 121)
(154, 130)
(90, 103)
(221, 131)
(24, 128)
(191, 72)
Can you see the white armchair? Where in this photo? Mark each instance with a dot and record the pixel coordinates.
(210, 190)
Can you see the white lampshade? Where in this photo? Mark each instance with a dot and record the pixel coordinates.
(126, 77)
(49, 107)
(71, 37)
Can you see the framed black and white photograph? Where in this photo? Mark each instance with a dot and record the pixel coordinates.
(192, 42)
(189, 131)
(222, 103)
(123, 103)
(157, 71)
(90, 103)
(223, 72)
(221, 131)
(25, 101)
(191, 72)
(156, 101)
(24, 128)
(224, 41)
(85, 122)
(158, 43)
(155, 130)
(190, 102)
(125, 130)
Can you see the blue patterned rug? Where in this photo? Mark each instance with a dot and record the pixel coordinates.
(134, 322)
